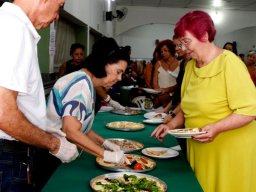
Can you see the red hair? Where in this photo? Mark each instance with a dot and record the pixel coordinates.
(197, 23)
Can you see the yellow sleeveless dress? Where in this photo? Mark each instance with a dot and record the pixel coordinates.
(209, 94)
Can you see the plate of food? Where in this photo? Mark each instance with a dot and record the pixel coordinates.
(160, 152)
(152, 91)
(186, 132)
(153, 121)
(154, 115)
(125, 126)
(139, 163)
(127, 111)
(127, 145)
(127, 87)
(127, 181)
(106, 108)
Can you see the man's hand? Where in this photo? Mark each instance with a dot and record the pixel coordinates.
(67, 151)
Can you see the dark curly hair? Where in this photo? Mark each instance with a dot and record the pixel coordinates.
(105, 51)
(75, 46)
(169, 44)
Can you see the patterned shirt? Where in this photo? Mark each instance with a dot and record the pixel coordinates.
(72, 95)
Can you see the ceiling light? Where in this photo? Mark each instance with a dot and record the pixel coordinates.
(217, 3)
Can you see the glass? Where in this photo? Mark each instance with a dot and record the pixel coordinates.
(183, 43)
(148, 103)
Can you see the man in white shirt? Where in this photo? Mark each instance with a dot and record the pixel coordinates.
(22, 100)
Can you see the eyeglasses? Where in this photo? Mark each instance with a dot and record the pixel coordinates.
(183, 43)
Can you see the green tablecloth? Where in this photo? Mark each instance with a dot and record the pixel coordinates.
(75, 176)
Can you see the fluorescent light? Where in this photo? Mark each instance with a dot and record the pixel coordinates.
(217, 3)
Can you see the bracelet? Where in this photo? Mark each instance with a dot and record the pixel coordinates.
(172, 113)
(107, 100)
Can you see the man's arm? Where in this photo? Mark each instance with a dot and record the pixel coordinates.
(14, 123)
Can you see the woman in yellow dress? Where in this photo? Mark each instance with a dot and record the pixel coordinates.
(219, 97)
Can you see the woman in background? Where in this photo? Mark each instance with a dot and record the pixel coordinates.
(231, 47)
(217, 96)
(165, 73)
(74, 64)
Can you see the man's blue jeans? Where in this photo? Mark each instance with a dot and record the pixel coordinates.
(14, 169)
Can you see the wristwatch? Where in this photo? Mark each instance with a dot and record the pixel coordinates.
(172, 113)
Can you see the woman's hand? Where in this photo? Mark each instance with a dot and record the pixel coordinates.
(111, 146)
(160, 132)
(167, 119)
(211, 133)
(162, 90)
(115, 157)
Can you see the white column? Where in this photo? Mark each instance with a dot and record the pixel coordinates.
(109, 24)
(52, 47)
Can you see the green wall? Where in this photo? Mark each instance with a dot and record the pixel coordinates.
(43, 50)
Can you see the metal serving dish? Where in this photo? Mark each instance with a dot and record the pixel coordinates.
(127, 145)
(127, 111)
(147, 163)
(125, 126)
(102, 178)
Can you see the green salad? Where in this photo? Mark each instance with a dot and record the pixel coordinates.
(129, 183)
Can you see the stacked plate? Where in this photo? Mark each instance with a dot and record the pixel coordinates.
(154, 118)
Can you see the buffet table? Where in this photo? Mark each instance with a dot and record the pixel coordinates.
(76, 176)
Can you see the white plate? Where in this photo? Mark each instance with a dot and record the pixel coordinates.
(153, 121)
(127, 87)
(152, 114)
(152, 91)
(176, 148)
(176, 133)
(169, 152)
(106, 108)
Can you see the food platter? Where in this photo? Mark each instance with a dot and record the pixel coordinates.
(127, 145)
(160, 152)
(127, 111)
(186, 133)
(154, 115)
(139, 163)
(106, 108)
(123, 179)
(152, 91)
(125, 126)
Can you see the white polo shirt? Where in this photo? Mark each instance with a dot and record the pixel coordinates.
(19, 68)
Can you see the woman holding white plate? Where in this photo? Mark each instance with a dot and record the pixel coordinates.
(219, 97)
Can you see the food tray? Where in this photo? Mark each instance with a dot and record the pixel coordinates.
(125, 126)
(101, 178)
(127, 145)
(127, 112)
